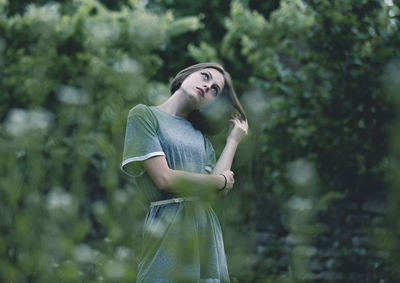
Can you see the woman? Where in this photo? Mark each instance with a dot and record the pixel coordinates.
(174, 162)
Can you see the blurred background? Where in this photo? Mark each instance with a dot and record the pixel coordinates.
(316, 197)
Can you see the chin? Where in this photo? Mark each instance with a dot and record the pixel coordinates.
(195, 99)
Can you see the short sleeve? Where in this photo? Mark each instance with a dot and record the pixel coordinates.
(210, 157)
(141, 140)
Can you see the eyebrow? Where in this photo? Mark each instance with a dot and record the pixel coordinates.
(219, 88)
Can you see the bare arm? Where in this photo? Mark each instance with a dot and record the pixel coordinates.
(225, 159)
(171, 180)
(238, 132)
(175, 180)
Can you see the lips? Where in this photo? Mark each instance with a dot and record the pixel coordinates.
(200, 90)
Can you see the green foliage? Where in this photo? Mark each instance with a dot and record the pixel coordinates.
(385, 235)
(68, 79)
(319, 64)
(309, 76)
(315, 94)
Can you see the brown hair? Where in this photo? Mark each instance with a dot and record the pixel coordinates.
(226, 106)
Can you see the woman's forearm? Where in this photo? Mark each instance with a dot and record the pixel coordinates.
(226, 158)
(238, 132)
(171, 180)
(188, 182)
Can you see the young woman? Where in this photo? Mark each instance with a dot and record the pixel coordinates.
(166, 148)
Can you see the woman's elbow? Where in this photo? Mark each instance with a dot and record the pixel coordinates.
(163, 180)
(162, 186)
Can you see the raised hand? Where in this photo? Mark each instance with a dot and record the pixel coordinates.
(239, 130)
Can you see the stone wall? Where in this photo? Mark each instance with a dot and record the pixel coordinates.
(342, 249)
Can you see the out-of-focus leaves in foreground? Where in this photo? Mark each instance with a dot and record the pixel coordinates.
(69, 75)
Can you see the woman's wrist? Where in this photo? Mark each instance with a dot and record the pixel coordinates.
(225, 182)
(232, 142)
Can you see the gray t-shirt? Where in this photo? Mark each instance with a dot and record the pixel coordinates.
(153, 132)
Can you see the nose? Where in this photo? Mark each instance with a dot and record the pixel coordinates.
(206, 86)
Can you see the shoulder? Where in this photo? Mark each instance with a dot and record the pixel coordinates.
(143, 114)
(140, 110)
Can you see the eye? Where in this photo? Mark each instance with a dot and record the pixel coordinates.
(205, 76)
(214, 90)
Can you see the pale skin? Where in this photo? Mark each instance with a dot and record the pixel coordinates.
(198, 90)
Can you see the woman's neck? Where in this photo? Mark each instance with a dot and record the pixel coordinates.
(176, 105)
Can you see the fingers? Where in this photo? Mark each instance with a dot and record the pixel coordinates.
(234, 121)
(239, 121)
(238, 124)
(230, 180)
(241, 124)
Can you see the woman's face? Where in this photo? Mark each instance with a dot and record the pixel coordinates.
(203, 86)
